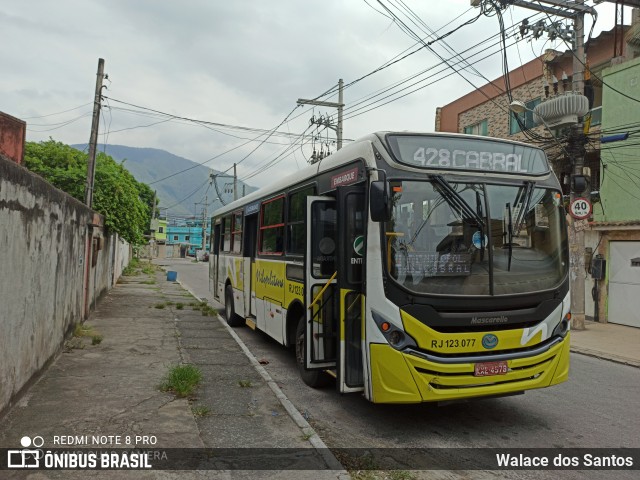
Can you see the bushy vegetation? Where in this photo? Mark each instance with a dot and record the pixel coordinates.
(125, 203)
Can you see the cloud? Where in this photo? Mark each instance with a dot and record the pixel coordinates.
(241, 62)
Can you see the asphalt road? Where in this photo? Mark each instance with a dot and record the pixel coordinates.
(596, 408)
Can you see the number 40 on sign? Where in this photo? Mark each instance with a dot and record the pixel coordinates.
(580, 208)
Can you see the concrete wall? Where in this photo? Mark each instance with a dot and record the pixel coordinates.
(44, 234)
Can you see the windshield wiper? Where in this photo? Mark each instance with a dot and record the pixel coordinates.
(454, 198)
(481, 215)
(509, 236)
(526, 196)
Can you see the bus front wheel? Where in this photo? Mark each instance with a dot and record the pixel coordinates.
(313, 378)
(233, 319)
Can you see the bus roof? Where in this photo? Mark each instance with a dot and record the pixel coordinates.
(359, 149)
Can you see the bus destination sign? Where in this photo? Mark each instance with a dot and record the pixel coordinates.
(460, 153)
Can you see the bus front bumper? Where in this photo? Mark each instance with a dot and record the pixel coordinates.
(398, 377)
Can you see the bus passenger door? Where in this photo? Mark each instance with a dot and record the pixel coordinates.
(351, 262)
(320, 284)
(215, 254)
(250, 247)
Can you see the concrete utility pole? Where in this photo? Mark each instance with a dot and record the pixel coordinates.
(574, 10)
(204, 225)
(93, 139)
(339, 106)
(576, 148)
(235, 183)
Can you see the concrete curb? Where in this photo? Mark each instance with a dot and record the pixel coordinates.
(314, 439)
(605, 356)
(307, 430)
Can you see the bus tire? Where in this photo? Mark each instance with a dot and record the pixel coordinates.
(233, 320)
(313, 378)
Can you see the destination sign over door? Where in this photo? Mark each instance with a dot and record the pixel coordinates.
(464, 153)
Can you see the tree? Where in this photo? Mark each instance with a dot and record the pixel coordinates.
(125, 203)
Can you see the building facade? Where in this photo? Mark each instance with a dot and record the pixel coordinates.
(614, 228)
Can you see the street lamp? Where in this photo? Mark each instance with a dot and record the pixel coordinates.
(516, 106)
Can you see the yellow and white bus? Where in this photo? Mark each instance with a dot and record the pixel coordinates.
(411, 267)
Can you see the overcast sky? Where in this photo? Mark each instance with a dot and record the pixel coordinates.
(241, 63)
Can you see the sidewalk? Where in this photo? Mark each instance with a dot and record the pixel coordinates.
(111, 388)
(608, 341)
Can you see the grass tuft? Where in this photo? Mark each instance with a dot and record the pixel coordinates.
(201, 411)
(182, 380)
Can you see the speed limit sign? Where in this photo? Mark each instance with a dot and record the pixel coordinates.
(580, 208)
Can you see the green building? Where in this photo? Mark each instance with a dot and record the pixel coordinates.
(615, 231)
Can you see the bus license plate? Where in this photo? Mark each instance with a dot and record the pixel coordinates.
(490, 368)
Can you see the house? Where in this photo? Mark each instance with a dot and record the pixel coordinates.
(12, 137)
(185, 235)
(613, 168)
(615, 229)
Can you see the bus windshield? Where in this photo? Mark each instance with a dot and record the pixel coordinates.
(474, 238)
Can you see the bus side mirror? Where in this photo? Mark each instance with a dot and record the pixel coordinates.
(380, 201)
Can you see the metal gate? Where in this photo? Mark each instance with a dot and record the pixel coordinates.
(624, 283)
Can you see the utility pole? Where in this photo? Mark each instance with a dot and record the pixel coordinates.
(235, 183)
(574, 10)
(93, 139)
(340, 105)
(204, 225)
(576, 148)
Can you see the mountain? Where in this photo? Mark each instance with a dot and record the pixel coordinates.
(180, 182)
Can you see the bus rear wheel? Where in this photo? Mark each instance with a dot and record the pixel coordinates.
(313, 378)
(233, 319)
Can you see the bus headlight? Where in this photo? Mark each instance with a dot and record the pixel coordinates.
(397, 338)
(563, 327)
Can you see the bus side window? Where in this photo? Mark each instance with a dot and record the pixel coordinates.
(272, 226)
(296, 226)
(226, 228)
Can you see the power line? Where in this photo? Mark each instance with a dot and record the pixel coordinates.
(58, 113)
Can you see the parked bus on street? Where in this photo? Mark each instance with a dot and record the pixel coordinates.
(411, 267)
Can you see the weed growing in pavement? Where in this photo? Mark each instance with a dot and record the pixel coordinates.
(201, 411)
(169, 303)
(179, 306)
(181, 380)
(245, 383)
(132, 268)
(149, 282)
(82, 330)
(149, 269)
(73, 344)
(160, 305)
(365, 468)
